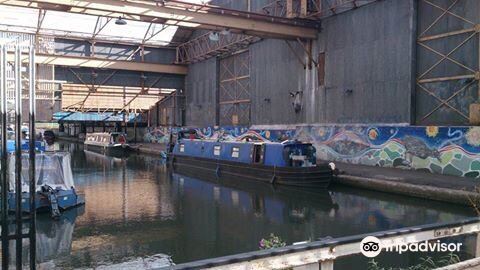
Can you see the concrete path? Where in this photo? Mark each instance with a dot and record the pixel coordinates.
(411, 183)
(410, 176)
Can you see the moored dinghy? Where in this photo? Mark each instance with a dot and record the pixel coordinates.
(288, 163)
(55, 188)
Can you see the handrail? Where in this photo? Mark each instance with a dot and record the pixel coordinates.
(328, 250)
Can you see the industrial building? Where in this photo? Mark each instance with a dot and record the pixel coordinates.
(363, 67)
(379, 87)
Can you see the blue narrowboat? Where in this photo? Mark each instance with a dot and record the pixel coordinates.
(288, 163)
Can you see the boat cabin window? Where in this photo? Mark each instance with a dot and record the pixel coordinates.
(235, 152)
(182, 148)
(216, 150)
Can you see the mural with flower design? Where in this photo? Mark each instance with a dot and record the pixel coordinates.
(161, 134)
(443, 150)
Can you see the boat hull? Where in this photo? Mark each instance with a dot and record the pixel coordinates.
(66, 199)
(318, 176)
(109, 150)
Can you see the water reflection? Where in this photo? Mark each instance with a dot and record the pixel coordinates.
(137, 208)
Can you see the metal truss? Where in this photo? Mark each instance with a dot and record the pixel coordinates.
(471, 75)
(311, 9)
(203, 47)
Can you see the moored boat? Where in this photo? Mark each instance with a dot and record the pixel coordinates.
(112, 144)
(288, 163)
(55, 187)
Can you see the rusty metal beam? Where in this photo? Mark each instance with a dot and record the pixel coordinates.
(91, 62)
(202, 47)
(149, 11)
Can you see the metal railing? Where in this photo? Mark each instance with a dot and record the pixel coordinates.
(21, 64)
(322, 254)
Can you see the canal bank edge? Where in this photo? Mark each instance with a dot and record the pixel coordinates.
(420, 191)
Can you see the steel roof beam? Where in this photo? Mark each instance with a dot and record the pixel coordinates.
(90, 62)
(149, 11)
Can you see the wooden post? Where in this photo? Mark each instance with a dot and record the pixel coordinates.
(303, 8)
(290, 12)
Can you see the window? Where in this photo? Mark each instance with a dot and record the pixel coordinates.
(321, 69)
(182, 148)
(235, 152)
(216, 150)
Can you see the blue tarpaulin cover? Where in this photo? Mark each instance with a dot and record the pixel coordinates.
(94, 116)
(39, 146)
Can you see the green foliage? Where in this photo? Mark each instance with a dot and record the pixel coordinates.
(272, 241)
(427, 263)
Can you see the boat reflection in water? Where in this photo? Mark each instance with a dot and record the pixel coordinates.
(275, 203)
(53, 237)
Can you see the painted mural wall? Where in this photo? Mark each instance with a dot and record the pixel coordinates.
(443, 150)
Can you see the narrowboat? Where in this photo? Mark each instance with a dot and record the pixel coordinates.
(55, 188)
(287, 163)
(111, 144)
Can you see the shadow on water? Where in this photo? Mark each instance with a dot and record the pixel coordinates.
(137, 207)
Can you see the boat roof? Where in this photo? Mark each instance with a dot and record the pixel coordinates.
(288, 142)
(51, 168)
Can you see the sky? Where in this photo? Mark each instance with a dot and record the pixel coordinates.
(62, 23)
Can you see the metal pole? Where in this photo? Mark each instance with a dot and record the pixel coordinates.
(4, 155)
(18, 155)
(32, 109)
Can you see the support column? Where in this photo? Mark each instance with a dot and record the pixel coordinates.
(311, 85)
(477, 246)
(312, 266)
(326, 265)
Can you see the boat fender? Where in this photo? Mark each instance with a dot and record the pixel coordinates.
(217, 171)
(334, 168)
(274, 177)
(51, 194)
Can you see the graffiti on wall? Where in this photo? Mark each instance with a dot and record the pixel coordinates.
(444, 150)
(227, 133)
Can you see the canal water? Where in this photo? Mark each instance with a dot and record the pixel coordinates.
(137, 208)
